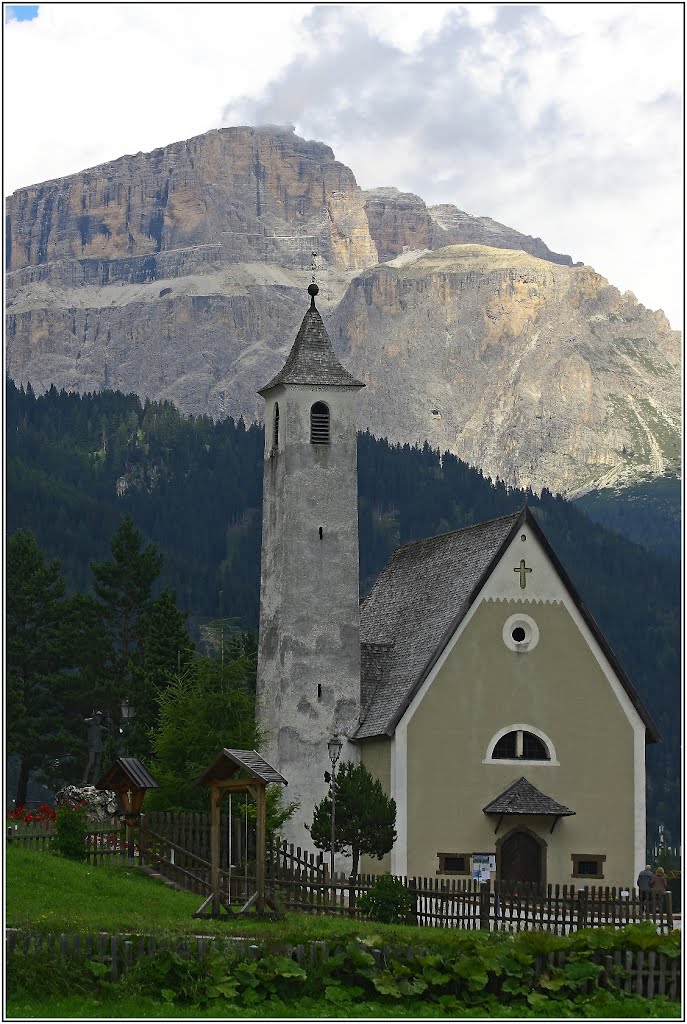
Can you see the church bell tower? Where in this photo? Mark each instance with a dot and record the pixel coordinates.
(308, 684)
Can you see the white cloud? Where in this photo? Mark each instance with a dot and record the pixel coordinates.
(86, 83)
(561, 120)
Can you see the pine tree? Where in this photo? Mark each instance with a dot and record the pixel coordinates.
(123, 587)
(365, 817)
(40, 653)
(164, 649)
(205, 708)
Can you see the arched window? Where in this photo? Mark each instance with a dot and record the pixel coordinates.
(319, 423)
(275, 426)
(519, 744)
(520, 741)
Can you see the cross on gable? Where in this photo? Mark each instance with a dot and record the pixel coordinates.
(523, 570)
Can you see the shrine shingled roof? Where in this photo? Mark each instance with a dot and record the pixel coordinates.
(127, 771)
(524, 798)
(312, 359)
(418, 602)
(230, 763)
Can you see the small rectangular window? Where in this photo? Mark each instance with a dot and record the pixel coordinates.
(588, 865)
(454, 863)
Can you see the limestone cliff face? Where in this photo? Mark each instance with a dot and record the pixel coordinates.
(454, 227)
(533, 371)
(249, 194)
(181, 274)
(401, 222)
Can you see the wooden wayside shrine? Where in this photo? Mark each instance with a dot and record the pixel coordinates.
(238, 771)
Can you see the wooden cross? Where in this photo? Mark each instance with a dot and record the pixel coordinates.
(522, 569)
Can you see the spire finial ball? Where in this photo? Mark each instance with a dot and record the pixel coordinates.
(313, 289)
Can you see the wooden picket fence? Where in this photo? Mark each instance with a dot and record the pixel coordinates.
(632, 972)
(178, 849)
(468, 904)
(106, 842)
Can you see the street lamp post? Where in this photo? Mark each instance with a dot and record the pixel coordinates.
(334, 746)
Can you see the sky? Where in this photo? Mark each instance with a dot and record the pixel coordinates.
(563, 120)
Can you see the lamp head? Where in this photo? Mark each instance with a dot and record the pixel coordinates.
(334, 746)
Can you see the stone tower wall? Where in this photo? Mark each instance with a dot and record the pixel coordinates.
(309, 648)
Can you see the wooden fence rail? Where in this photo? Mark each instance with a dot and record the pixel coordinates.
(645, 974)
(300, 881)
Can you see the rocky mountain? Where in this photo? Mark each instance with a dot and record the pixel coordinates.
(180, 274)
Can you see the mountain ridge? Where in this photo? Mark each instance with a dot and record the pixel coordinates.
(180, 275)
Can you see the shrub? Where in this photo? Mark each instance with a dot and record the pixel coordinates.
(70, 831)
(388, 901)
(40, 973)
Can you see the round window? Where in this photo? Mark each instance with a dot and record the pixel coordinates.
(520, 633)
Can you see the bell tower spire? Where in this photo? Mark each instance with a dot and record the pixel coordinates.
(308, 686)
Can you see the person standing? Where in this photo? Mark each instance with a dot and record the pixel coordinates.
(644, 880)
(659, 888)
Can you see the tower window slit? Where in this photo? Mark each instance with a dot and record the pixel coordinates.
(319, 424)
(275, 427)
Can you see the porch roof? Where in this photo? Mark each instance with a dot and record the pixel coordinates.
(524, 798)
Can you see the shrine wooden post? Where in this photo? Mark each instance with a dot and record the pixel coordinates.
(215, 812)
(260, 850)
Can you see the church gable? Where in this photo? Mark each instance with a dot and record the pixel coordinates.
(421, 595)
(430, 589)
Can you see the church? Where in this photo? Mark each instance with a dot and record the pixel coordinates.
(471, 681)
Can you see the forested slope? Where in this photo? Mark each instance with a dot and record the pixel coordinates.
(77, 464)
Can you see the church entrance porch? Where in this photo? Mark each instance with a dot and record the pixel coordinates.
(521, 857)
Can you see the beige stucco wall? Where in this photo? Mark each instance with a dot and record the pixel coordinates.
(375, 755)
(559, 689)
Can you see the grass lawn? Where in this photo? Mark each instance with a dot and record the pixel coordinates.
(49, 894)
(129, 1008)
(65, 896)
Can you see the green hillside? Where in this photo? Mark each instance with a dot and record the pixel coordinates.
(648, 513)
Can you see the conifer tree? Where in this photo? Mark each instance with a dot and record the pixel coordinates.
(164, 650)
(365, 818)
(123, 587)
(42, 713)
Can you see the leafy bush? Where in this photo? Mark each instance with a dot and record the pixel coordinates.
(388, 901)
(43, 973)
(492, 973)
(199, 982)
(70, 831)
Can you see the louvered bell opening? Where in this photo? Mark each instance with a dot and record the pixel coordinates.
(319, 424)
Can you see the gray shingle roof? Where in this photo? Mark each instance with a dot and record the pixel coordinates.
(419, 600)
(229, 762)
(312, 360)
(373, 670)
(127, 770)
(416, 603)
(524, 798)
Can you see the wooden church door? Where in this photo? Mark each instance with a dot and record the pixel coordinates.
(520, 859)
